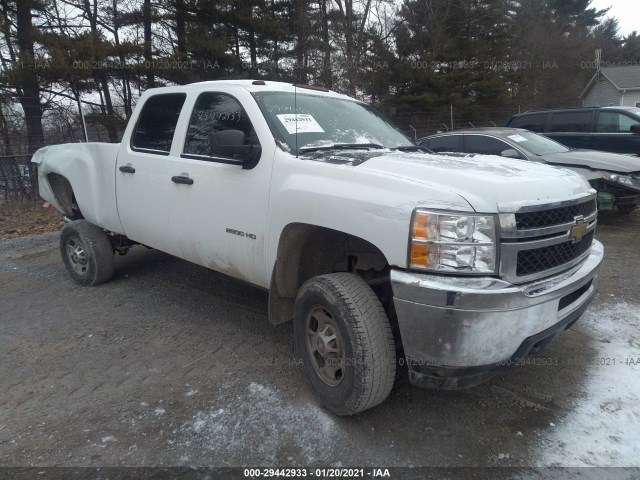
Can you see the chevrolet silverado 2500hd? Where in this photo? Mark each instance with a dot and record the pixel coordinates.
(383, 255)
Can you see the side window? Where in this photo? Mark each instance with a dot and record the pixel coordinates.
(157, 123)
(614, 122)
(571, 122)
(218, 126)
(534, 122)
(485, 145)
(447, 143)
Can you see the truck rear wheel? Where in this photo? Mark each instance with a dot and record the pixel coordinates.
(86, 252)
(345, 341)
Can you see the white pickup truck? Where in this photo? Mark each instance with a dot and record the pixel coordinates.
(383, 255)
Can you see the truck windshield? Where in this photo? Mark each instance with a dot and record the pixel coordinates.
(324, 121)
(537, 144)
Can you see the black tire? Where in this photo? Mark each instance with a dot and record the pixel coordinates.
(86, 252)
(367, 366)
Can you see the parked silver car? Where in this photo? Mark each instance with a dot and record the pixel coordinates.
(616, 177)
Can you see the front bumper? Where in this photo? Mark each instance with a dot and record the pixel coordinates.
(628, 200)
(460, 331)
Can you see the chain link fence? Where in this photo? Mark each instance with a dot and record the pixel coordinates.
(18, 180)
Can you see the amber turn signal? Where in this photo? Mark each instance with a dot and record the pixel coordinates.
(419, 229)
(419, 254)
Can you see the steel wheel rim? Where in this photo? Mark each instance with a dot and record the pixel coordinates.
(325, 346)
(76, 255)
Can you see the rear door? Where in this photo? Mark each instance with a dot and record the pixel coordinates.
(142, 185)
(219, 210)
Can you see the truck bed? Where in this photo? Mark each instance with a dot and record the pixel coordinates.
(90, 168)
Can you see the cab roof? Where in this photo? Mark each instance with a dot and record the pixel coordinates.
(252, 86)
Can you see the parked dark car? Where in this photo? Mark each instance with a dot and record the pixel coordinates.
(610, 129)
(615, 177)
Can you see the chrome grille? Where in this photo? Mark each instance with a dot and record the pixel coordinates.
(554, 216)
(542, 240)
(545, 258)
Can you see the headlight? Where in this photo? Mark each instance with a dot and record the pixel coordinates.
(452, 242)
(617, 178)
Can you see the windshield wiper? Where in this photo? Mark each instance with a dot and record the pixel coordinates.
(412, 148)
(341, 146)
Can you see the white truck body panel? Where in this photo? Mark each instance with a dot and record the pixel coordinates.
(190, 222)
(484, 181)
(232, 220)
(90, 168)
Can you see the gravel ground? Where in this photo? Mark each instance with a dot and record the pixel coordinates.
(171, 364)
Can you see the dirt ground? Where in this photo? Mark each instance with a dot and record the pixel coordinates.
(27, 219)
(171, 364)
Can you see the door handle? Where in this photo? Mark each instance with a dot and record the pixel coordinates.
(182, 179)
(127, 169)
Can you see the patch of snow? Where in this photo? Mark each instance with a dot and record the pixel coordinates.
(191, 393)
(604, 427)
(159, 411)
(256, 388)
(259, 425)
(203, 420)
(108, 439)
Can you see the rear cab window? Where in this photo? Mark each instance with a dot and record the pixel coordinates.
(157, 122)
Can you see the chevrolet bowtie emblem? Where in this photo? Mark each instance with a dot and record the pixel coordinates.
(578, 230)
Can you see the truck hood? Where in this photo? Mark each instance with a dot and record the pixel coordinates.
(488, 183)
(611, 162)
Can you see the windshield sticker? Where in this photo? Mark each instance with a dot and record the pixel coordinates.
(517, 138)
(305, 124)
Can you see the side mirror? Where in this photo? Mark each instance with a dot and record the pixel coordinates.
(233, 144)
(226, 142)
(510, 153)
(251, 159)
(635, 128)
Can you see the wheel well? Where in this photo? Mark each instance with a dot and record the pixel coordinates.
(63, 191)
(305, 251)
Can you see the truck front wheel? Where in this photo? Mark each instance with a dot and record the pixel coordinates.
(345, 341)
(86, 252)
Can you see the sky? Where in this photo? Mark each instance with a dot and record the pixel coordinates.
(626, 11)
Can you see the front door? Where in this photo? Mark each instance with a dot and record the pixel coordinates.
(218, 212)
(613, 133)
